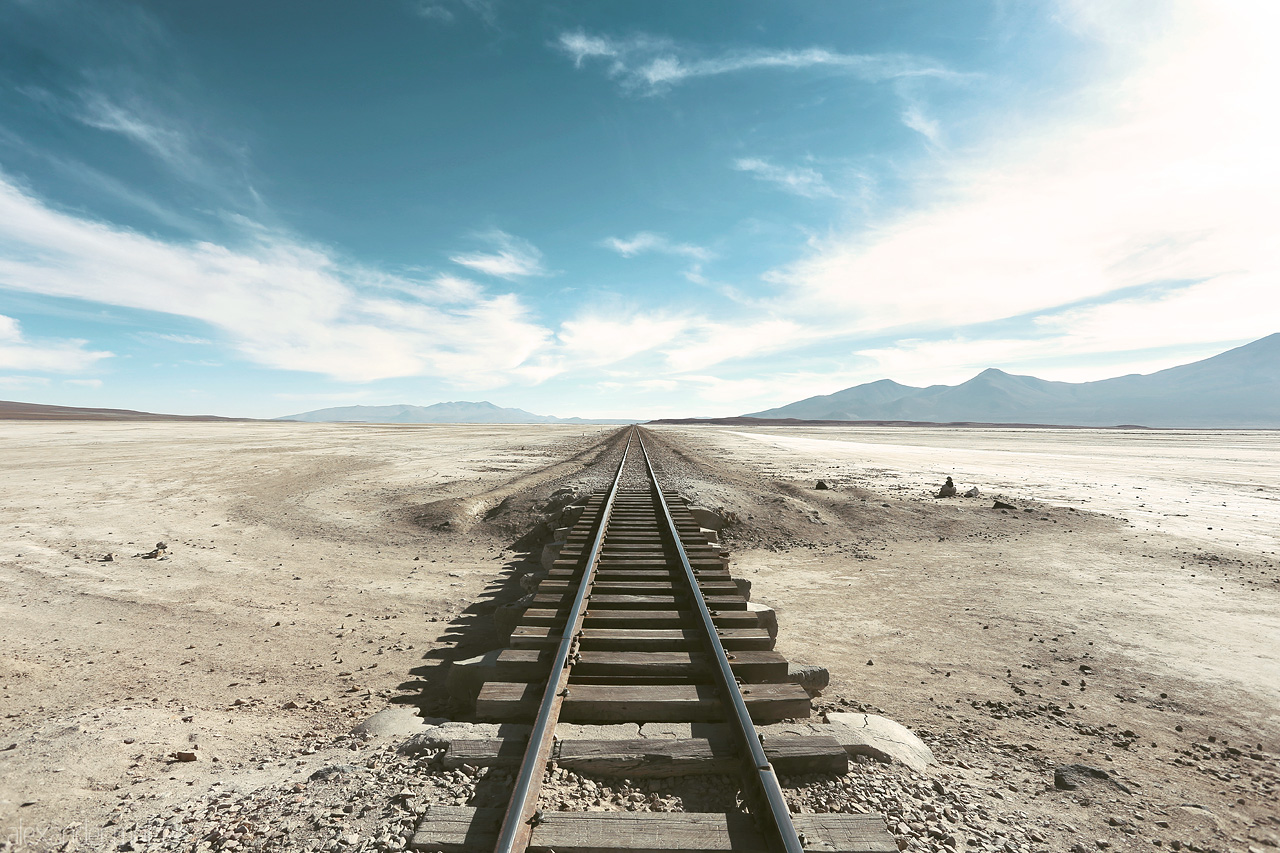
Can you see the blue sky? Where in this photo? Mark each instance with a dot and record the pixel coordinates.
(617, 209)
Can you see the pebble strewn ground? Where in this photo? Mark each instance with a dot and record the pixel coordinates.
(369, 794)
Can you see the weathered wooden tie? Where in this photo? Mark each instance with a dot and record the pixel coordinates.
(459, 829)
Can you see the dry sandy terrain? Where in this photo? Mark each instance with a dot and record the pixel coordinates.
(316, 573)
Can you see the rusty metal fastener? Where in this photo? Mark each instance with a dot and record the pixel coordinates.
(565, 692)
(537, 818)
(804, 842)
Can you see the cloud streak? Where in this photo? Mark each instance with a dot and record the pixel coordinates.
(510, 258)
(168, 143)
(648, 241)
(650, 64)
(799, 180)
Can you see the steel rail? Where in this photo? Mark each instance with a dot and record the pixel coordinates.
(518, 824)
(778, 817)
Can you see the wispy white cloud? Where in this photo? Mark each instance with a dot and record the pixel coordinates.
(509, 258)
(798, 180)
(651, 64)
(83, 383)
(170, 135)
(648, 241)
(168, 143)
(43, 356)
(174, 339)
(914, 117)
(446, 11)
(278, 302)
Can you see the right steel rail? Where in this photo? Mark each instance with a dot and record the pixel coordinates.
(776, 815)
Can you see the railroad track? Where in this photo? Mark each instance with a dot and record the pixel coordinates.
(640, 621)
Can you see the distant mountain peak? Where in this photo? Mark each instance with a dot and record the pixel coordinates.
(1239, 388)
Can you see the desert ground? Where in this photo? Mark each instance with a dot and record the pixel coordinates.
(1124, 614)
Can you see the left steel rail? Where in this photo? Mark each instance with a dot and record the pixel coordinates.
(518, 825)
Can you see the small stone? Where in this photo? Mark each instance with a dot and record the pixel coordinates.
(330, 772)
(185, 756)
(1069, 777)
(812, 678)
(821, 485)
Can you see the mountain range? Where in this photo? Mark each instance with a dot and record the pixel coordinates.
(11, 410)
(458, 412)
(1239, 388)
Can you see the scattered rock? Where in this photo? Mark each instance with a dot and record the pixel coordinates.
(550, 553)
(1069, 777)
(507, 616)
(768, 617)
(709, 518)
(821, 486)
(333, 771)
(948, 489)
(569, 515)
(108, 558)
(812, 678)
(880, 738)
(973, 493)
(438, 736)
(465, 677)
(184, 756)
(999, 504)
(565, 496)
(529, 582)
(394, 721)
